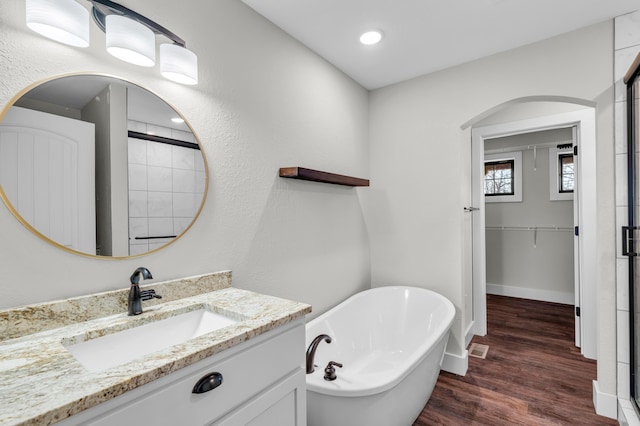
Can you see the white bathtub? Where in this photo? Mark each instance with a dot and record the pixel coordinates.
(390, 341)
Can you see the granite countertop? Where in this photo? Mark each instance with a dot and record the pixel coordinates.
(42, 383)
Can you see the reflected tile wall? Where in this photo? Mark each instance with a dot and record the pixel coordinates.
(166, 186)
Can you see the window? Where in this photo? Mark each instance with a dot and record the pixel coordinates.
(562, 173)
(503, 177)
(498, 178)
(565, 169)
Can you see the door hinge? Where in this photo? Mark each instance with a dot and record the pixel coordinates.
(577, 311)
(575, 150)
(576, 230)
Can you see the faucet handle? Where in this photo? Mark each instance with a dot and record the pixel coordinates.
(149, 294)
(330, 372)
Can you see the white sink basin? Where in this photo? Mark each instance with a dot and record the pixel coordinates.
(124, 346)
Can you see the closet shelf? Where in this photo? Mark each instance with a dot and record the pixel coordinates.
(319, 176)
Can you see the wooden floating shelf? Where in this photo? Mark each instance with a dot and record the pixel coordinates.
(324, 177)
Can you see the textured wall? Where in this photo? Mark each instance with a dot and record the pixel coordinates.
(263, 102)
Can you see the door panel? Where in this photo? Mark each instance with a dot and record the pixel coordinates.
(576, 245)
(47, 174)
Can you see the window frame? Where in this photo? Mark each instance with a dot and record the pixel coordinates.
(561, 175)
(516, 157)
(554, 176)
(512, 168)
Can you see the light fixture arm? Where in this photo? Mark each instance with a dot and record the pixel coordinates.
(102, 8)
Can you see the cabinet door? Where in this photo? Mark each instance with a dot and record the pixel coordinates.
(284, 405)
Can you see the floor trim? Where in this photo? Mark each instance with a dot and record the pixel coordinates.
(605, 404)
(565, 298)
(456, 364)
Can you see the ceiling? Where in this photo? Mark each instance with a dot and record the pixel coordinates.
(423, 36)
(76, 91)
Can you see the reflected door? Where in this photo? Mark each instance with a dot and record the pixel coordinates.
(47, 173)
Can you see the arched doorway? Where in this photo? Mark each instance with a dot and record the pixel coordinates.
(583, 118)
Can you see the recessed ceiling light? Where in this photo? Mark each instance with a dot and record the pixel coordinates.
(177, 120)
(371, 37)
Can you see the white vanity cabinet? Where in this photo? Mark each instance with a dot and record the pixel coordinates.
(263, 384)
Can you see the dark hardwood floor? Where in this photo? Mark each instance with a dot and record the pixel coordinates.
(532, 375)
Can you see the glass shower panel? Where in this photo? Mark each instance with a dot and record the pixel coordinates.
(634, 222)
(631, 232)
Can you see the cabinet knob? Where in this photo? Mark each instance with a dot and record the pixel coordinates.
(207, 383)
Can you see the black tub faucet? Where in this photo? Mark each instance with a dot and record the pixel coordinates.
(311, 351)
(136, 296)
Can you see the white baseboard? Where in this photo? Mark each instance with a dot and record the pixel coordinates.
(456, 364)
(532, 293)
(605, 404)
(468, 335)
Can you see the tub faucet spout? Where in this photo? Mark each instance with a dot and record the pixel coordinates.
(311, 351)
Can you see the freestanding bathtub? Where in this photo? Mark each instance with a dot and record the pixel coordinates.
(390, 342)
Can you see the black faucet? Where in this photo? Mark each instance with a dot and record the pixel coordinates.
(136, 296)
(311, 351)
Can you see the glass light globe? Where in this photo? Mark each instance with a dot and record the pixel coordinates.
(64, 21)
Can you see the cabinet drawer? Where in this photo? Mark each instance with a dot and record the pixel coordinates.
(248, 370)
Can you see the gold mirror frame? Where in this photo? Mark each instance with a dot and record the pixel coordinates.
(54, 243)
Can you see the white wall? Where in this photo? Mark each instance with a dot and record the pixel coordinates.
(525, 263)
(263, 102)
(420, 162)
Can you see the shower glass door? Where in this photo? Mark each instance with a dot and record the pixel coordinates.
(631, 234)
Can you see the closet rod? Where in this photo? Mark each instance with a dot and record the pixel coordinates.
(528, 147)
(530, 228)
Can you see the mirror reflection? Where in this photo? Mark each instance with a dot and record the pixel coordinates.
(100, 166)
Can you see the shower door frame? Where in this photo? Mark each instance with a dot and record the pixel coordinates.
(629, 239)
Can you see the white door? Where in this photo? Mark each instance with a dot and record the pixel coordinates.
(576, 245)
(47, 174)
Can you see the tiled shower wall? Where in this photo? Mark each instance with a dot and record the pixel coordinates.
(166, 187)
(627, 46)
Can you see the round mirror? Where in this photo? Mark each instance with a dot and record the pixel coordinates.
(100, 166)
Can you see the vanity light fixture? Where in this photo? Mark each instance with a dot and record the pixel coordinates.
(178, 64)
(64, 21)
(371, 37)
(177, 120)
(129, 35)
(130, 41)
